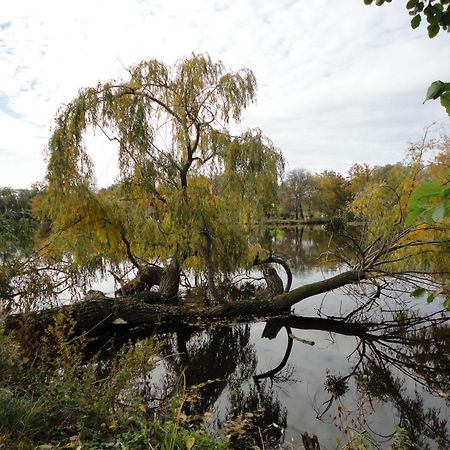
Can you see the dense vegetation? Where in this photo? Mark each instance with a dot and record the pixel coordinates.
(185, 213)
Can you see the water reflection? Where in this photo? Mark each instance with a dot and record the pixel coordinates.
(265, 384)
(387, 358)
(305, 248)
(216, 366)
(390, 381)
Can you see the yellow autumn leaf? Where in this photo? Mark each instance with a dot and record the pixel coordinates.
(142, 407)
(190, 443)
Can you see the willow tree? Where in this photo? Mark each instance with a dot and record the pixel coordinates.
(188, 191)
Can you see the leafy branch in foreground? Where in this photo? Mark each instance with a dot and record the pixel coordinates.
(441, 90)
(430, 202)
(436, 13)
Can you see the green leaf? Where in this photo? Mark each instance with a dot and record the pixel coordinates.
(419, 292)
(413, 215)
(433, 30)
(430, 297)
(445, 194)
(445, 19)
(368, 2)
(447, 303)
(445, 101)
(411, 4)
(415, 22)
(426, 190)
(439, 212)
(429, 11)
(435, 90)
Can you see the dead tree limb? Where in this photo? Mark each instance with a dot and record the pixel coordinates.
(146, 309)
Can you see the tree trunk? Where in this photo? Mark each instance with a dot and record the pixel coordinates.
(281, 262)
(170, 280)
(301, 211)
(211, 291)
(147, 277)
(102, 314)
(273, 280)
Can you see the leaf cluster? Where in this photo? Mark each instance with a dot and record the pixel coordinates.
(436, 13)
(441, 90)
(430, 202)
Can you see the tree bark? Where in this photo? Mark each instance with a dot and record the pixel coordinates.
(210, 269)
(273, 280)
(147, 277)
(140, 310)
(281, 262)
(170, 280)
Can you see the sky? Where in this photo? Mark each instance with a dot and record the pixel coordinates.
(339, 82)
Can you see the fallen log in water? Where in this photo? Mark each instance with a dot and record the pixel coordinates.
(140, 310)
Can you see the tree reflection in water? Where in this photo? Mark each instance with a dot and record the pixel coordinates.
(214, 365)
(306, 247)
(391, 361)
(388, 357)
(401, 361)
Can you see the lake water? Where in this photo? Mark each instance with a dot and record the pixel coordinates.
(266, 392)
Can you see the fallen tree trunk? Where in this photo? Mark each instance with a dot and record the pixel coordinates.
(101, 314)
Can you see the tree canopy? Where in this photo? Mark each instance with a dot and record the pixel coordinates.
(182, 173)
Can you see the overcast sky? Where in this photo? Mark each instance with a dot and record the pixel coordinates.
(338, 82)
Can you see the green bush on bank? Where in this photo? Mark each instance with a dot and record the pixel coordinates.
(51, 397)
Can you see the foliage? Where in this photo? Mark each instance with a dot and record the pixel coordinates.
(296, 192)
(307, 195)
(188, 189)
(20, 280)
(382, 200)
(17, 223)
(413, 245)
(441, 90)
(429, 201)
(17, 227)
(64, 395)
(50, 395)
(331, 194)
(359, 175)
(436, 12)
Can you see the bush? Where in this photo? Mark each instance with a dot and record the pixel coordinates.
(57, 399)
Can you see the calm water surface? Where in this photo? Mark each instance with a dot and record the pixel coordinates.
(259, 390)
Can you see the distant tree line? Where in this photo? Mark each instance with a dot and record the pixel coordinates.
(307, 196)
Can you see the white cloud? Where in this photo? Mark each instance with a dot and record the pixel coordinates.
(338, 82)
